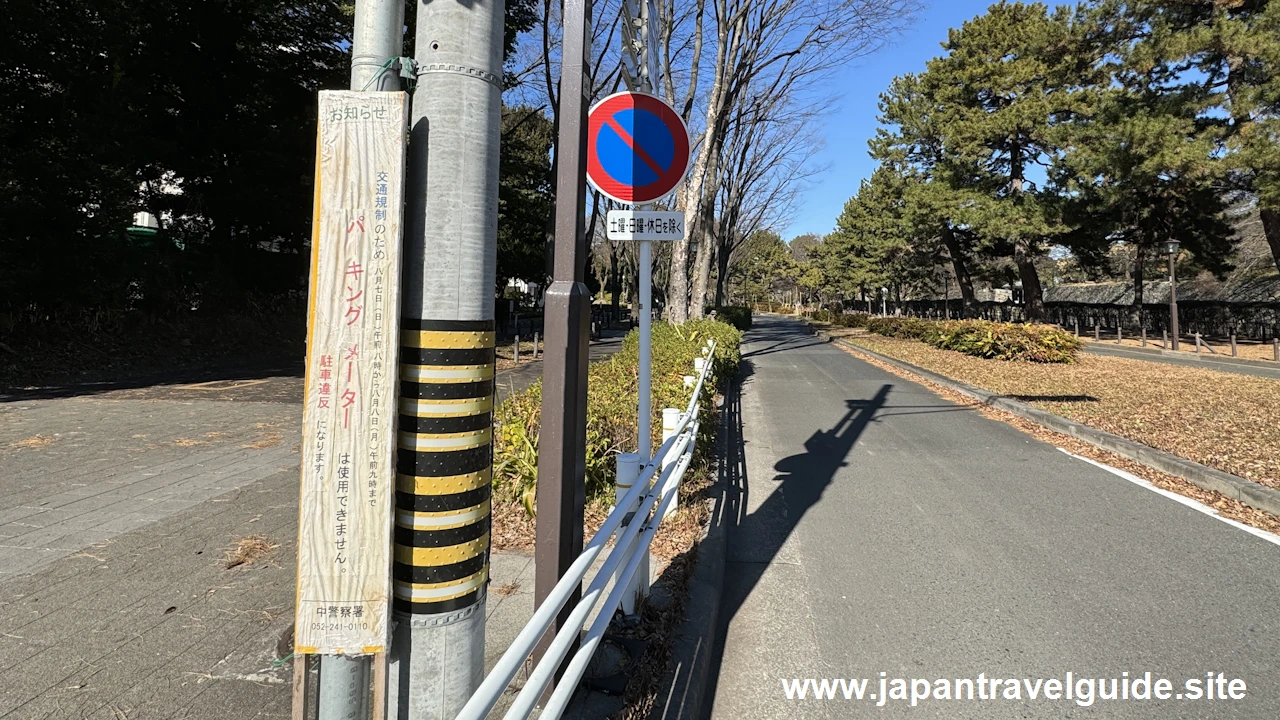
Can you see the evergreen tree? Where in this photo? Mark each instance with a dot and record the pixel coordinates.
(1228, 54)
(1141, 170)
(1010, 79)
(934, 183)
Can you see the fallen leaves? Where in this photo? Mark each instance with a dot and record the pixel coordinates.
(268, 439)
(1225, 506)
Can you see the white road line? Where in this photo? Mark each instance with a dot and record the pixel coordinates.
(1193, 504)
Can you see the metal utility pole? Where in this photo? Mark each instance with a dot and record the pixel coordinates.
(376, 43)
(444, 465)
(377, 40)
(1171, 247)
(567, 306)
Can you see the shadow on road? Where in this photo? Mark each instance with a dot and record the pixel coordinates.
(782, 338)
(799, 484)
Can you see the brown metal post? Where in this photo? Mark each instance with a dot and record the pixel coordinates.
(562, 468)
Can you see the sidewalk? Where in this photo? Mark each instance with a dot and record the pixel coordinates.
(119, 597)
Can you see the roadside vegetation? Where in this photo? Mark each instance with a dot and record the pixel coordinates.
(612, 399)
(979, 338)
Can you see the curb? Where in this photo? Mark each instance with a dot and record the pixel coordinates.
(1252, 494)
(682, 692)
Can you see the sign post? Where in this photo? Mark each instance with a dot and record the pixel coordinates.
(638, 152)
(344, 526)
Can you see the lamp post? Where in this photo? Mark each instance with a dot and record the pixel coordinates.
(1171, 249)
(884, 301)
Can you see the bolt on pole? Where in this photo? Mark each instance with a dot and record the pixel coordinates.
(444, 465)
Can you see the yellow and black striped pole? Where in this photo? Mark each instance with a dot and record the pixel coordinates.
(444, 468)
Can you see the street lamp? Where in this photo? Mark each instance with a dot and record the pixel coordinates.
(884, 301)
(1171, 249)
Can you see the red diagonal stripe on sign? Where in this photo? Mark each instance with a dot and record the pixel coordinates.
(631, 143)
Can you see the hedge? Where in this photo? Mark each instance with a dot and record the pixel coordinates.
(847, 320)
(985, 339)
(612, 399)
(738, 316)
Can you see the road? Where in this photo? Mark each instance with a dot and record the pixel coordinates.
(1205, 360)
(881, 528)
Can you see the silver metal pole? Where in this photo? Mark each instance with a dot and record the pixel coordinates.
(344, 687)
(440, 577)
(646, 362)
(378, 37)
(379, 31)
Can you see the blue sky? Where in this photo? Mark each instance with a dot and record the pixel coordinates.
(847, 130)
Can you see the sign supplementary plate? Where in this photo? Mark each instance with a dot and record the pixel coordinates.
(645, 225)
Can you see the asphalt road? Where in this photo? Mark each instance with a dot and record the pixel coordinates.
(883, 529)
(1205, 360)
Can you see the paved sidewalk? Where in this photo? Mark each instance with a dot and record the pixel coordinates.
(118, 509)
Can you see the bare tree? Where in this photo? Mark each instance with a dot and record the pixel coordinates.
(765, 50)
(768, 161)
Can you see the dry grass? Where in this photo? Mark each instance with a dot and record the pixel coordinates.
(505, 590)
(268, 439)
(187, 442)
(247, 550)
(1225, 506)
(1219, 419)
(32, 443)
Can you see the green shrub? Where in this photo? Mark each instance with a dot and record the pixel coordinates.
(839, 319)
(612, 399)
(738, 316)
(985, 339)
(900, 327)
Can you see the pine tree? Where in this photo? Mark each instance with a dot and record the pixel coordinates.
(1141, 168)
(1011, 78)
(1229, 52)
(911, 145)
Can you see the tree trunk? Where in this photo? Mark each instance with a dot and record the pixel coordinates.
(722, 276)
(961, 270)
(1032, 292)
(615, 280)
(1271, 228)
(702, 264)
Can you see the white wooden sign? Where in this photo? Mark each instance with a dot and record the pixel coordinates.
(348, 469)
(644, 225)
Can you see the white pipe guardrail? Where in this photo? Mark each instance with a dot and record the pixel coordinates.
(650, 497)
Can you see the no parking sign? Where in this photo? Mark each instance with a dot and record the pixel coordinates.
(637, 148)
